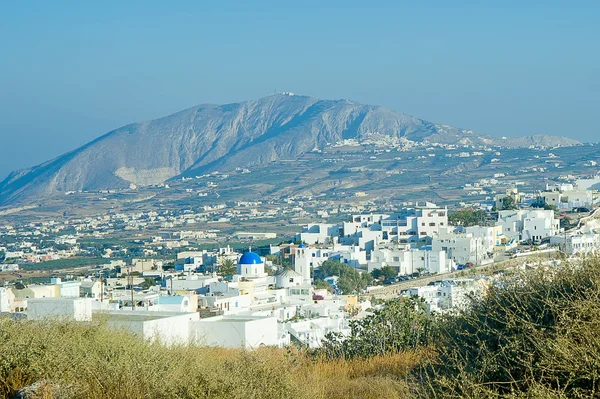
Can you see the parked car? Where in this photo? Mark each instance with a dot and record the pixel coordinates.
(461, 267)
(469, 264)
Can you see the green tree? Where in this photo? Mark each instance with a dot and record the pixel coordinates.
(467, 217)
(508, 203)
(227, 267)
(322, 284)
(402, 324)
(350, 280)
(388, 272)
(148, 282)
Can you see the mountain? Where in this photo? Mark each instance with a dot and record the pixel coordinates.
(223, 137)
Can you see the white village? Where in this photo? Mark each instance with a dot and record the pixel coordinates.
(292, 294)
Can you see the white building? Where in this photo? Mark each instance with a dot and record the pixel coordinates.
(446, 295)
(492, 237)
(90, 289)
(409, 225)
(168, 328)
(409, 261)
(568, 199)
(191, 282)
(226, 303)
(79, 309)
(582, 243)
(7, 300)
(289, 278)
(462, 248)
(319, 233)
(303, 261)
(68, 289)
(532, 224)
(248, 332)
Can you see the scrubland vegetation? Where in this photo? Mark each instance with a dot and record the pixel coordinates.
(536, 334)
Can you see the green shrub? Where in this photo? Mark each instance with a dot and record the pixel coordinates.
(403, 324)
(535, 335)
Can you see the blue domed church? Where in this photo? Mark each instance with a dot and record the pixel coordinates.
(250, 265)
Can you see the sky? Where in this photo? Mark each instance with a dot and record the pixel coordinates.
(72, 71)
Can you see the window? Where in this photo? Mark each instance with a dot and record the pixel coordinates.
(423, 224)
(432, 224)
(396, 258)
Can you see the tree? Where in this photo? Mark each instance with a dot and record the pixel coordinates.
(2, 255)
(350, 280)
(508, 203)
(322, 285)
(467, 217)
(148, 282)
(227, 267)
(402, 324)
(376, 273)
(388, 272)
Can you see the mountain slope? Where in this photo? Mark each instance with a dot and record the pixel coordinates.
(208, 137)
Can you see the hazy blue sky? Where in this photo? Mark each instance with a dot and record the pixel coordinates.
(71, 71)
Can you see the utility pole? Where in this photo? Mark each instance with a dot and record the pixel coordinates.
(565, 230)
(101, 288)
(131, 286)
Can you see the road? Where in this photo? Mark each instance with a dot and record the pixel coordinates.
(501, 262)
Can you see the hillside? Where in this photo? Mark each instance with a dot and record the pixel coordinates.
(224, 137)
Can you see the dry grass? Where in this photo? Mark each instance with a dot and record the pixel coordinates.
(96, 362)
(536, 336)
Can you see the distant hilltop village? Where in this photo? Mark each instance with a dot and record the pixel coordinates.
(299, 291)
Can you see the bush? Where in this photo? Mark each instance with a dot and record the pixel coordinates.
(535, 335)
(403, 324)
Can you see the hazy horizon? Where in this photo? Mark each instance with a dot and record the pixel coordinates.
(78, 71)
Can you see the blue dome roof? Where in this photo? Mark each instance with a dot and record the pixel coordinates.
(303, 245)
(250, 258)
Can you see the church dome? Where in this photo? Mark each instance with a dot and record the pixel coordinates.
(250, 258)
